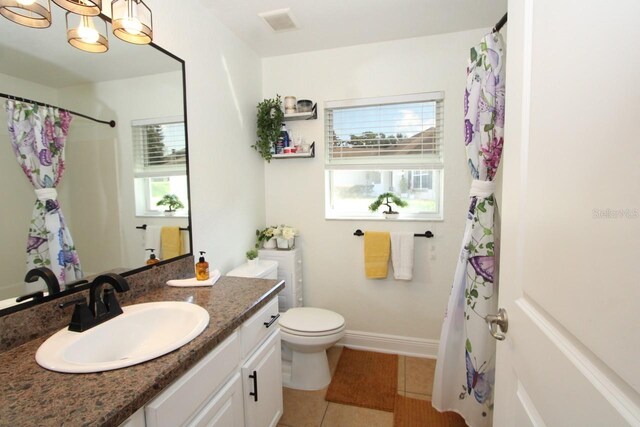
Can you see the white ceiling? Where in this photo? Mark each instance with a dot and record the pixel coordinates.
(326, 24)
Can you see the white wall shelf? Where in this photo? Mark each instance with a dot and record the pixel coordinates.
(311, 115)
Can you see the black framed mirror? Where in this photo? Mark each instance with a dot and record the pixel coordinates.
(113, 177)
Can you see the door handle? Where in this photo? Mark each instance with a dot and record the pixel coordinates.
(498, 320)
(273, 319)
(255, 386)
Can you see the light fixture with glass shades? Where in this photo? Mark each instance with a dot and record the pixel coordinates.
(88, 33)
(86, 26)
(30, 13)
(132, 21)
(81, 7)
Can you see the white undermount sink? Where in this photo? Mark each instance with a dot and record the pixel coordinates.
(143, 332)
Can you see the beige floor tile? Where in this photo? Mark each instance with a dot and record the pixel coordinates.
(333, 354)
(401, 371)
(418, 396)
(352, 416)
(303, 408)
(419, 375)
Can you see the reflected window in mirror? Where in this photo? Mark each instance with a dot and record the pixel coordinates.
(160, 165)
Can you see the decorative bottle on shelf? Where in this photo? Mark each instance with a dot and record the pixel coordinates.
(283, 140)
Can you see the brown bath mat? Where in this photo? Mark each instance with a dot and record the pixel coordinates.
(366, 379)
(419, 413)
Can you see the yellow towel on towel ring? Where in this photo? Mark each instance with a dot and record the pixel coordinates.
(377, 247)
(171, 242)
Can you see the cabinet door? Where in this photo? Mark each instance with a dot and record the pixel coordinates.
(262, 384)
(225, 409)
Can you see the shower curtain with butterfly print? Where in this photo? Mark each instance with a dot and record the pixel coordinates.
(38, 135)
(464, 376)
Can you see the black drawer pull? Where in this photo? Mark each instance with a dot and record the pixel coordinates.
(255, 386)
(273, 319)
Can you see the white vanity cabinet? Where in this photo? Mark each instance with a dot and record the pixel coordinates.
(220, 390)
(289, 270)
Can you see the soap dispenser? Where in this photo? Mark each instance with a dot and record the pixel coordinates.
(152, 258)
(202, 268)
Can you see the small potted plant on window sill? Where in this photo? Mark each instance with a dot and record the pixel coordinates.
(252, 255)
(172, 202)
(388, 199)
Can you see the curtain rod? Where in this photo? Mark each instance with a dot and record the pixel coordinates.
(500, 24)
(111, 123)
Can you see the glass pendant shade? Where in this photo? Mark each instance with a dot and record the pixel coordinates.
(81, 7)
(132, 21)
(30, 13)
(88, 33)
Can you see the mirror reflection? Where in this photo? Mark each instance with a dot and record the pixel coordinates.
(80, 197)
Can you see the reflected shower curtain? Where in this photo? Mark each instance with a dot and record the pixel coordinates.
(464, 376)
(38, 135)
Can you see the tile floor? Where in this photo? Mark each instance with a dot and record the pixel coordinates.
(309, 409)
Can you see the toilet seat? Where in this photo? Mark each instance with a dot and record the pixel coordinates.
(311, 321)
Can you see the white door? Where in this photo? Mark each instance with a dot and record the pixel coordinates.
(570, 254)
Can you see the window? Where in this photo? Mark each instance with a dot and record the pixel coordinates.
(384, 144)
(160, 166)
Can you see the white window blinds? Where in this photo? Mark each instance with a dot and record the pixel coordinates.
(397, 132)
(159, 147)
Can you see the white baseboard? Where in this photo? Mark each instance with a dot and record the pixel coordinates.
(407, 346)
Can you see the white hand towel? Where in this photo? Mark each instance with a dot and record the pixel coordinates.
(402, 255)
(193, 282)
(152, 240)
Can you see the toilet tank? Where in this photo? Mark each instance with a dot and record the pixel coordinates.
(259, 269)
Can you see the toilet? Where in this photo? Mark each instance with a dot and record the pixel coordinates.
(307, 333)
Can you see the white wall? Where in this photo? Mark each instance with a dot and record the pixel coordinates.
(125, 100)
(333, 257)
(223, 89)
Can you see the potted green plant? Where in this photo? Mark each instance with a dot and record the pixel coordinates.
(172, 202)
(388, 199)
(252, 255)
(269, 120)
(266, 237)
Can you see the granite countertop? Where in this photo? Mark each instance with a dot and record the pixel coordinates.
(33, 396)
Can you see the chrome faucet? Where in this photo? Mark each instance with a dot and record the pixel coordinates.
(50, 279)
(102, 305)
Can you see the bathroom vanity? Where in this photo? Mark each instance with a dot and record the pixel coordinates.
(229, 375)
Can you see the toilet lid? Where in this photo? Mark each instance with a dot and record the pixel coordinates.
(309, 319)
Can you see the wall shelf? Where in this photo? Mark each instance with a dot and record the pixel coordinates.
(310, 154)
(311, 115)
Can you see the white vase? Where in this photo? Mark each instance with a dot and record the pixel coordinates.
(391, 215)
(269, 244)
(169, 213)
(285, 244)
(252, 261)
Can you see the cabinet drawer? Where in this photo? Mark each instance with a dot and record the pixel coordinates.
(183, 398)
(259, 326)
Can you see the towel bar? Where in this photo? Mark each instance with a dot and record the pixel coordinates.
(144, 227)
(428, 234)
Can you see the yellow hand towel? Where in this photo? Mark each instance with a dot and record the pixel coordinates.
(171, 241)
(376, 254)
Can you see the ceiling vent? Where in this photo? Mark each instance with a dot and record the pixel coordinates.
(279, 20)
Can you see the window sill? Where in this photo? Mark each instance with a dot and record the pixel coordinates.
(369, 218)
(151, 215)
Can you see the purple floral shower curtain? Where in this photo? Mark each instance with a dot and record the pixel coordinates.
(37, 135)
(464, 376)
